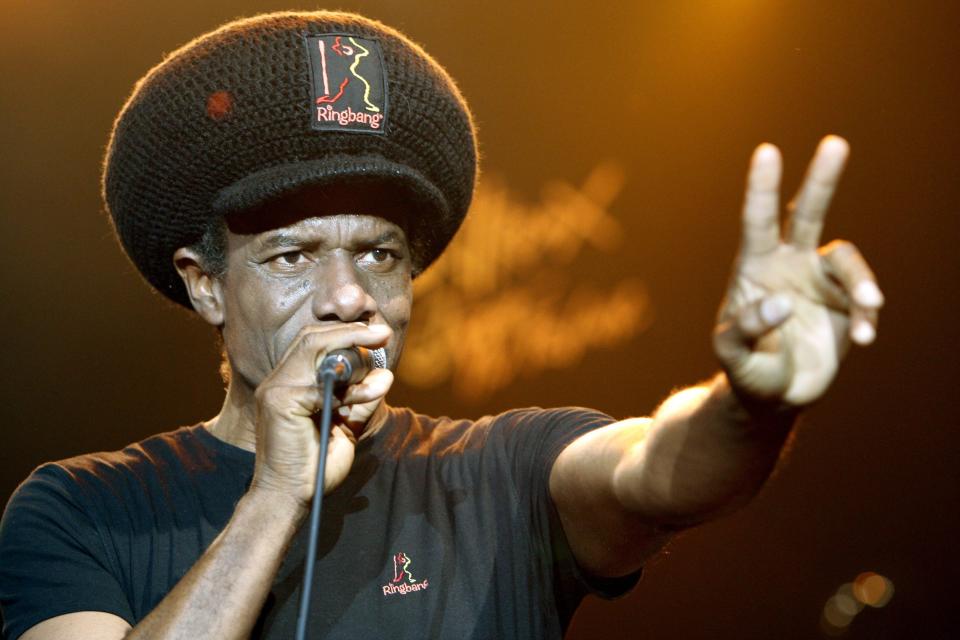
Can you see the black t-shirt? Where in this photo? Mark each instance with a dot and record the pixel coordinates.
(443, 529)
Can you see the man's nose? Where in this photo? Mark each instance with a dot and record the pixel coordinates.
(341, 294)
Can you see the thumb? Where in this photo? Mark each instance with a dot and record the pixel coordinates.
(737, 334)
(340, 453)
(751, 354)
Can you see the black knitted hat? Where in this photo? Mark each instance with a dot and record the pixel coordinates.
(266, 105)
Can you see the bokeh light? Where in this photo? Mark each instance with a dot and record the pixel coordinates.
(872, 589)
(840, 609)
(835, 617)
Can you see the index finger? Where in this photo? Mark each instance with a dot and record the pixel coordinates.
(810, 206)
(299, 363)
(761, 205)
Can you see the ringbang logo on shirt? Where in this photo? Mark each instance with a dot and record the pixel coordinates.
(403, 581)
(349, 83)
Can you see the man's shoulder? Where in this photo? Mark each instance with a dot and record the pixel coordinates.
(137, 460)
(135, 454)
(532, 413)
(159, 470)
(539, 417)
(440, 434)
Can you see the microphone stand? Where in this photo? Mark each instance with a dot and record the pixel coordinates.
(328, 378)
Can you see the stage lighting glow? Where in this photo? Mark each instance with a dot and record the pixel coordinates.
(873, 589)
(846, 604)
(835, 620)
(497, 296)
(842, 607)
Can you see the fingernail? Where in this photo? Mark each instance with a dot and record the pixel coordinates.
(836, 142)
(867, 293)
(766, 152)
(863, 333)
(775, 308)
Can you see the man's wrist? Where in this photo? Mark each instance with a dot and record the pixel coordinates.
(276, 503)
(753, 413)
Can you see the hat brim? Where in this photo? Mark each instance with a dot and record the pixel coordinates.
(430, 223)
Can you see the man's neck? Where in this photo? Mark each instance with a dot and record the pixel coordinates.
(236, 423)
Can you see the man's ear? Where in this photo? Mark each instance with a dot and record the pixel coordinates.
(205, 290)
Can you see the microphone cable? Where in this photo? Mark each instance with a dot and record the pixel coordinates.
(328, 378)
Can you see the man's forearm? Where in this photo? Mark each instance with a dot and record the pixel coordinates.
(705, 454)
(221, 596)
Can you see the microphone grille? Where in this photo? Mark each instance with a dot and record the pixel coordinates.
(379, 358)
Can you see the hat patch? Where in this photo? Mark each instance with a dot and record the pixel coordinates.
(349, 83)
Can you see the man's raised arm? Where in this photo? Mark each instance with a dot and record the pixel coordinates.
(783, 328)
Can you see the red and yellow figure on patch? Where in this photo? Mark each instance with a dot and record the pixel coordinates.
(400, 570)
(403, 581)
(349, 84)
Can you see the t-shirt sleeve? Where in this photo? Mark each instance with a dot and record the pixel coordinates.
(538, 436)
(52, 558)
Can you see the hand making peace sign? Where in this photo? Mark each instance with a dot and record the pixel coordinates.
(792, 309)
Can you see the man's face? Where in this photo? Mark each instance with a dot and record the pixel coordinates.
(288, 268)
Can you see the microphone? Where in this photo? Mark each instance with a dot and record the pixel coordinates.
(350, 366)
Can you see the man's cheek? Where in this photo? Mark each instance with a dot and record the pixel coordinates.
(394, 297)
(397, 315)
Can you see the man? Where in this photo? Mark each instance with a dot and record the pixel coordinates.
(287, 177)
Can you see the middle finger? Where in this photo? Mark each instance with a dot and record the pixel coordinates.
(810, 205)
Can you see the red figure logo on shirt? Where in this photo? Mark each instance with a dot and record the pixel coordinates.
(403, 582)
(400, 570)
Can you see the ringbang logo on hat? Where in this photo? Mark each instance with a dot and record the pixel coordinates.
(349, 83)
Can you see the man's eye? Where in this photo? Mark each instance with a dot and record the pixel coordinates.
(288, 259)
(291, 257)
(378, 257)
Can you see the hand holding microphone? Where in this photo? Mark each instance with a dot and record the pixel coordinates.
(290, 399)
